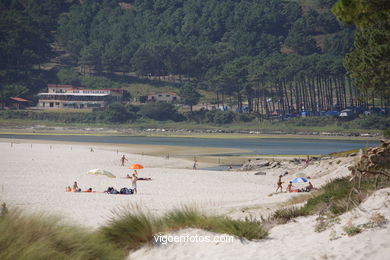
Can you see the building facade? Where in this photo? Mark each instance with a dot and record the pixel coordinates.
(68, 96)
(163, 97)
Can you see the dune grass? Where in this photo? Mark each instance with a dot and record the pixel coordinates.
(131, 229)
(189, 217)
(135, 228)
(39, 236)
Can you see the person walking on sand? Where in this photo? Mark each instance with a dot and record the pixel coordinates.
(123, 159)
(194, 166)
(134, 180)
(279, 184)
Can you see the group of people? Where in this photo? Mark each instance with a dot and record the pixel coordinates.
(289, 188)
(76, 188)
(134, 178)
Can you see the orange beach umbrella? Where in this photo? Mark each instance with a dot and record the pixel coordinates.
(136, 166)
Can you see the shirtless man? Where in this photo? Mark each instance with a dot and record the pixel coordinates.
(134, 180)
(279, 184)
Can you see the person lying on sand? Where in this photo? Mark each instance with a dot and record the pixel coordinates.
(140, 179)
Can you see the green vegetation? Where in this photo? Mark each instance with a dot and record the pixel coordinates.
(369, 61)
(387, 133)
(283, 215)
(333, 199)
(132, 229)
(259, 56)
(39, 236)
(352, 230)
(43, 237)
(164, 115)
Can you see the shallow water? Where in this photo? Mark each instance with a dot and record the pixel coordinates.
(256, 146)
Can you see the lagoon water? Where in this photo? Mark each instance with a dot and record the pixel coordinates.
(256, 146)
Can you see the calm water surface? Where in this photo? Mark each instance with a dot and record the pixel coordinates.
(260, 146)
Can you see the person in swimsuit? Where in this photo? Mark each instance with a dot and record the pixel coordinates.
(134, 180)
(289, 187)
(279, 184)
(309, 187)
(76, 187)
(123, 159)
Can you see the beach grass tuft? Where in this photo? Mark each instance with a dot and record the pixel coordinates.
(184, 217)
(131, 230)
(283, 215)
(39, 236)
(248, 228)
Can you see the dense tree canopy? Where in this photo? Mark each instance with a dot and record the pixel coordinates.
(369, 62)
(260, 56)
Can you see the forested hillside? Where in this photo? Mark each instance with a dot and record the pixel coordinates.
(265, 55)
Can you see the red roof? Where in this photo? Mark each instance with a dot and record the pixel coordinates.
(18, 99)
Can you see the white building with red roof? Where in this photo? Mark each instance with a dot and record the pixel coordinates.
(68, 96)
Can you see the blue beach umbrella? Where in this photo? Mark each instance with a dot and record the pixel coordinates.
(298, 180)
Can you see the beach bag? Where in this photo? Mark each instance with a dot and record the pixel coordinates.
(114, 191)
(124, 191)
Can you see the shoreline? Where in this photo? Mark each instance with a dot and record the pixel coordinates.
(203, 154)
(161, 132)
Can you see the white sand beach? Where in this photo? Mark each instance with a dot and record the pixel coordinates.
(34, 176)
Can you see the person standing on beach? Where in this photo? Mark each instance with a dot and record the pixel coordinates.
(307, 160)
(123, 159)
(194, 166)
(134, 180)
(279, 184)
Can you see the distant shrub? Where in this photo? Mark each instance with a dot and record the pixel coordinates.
(196, 116)
(244, 117)
(374, 122)
(160, 111)
(219, 117)
(117, 113)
